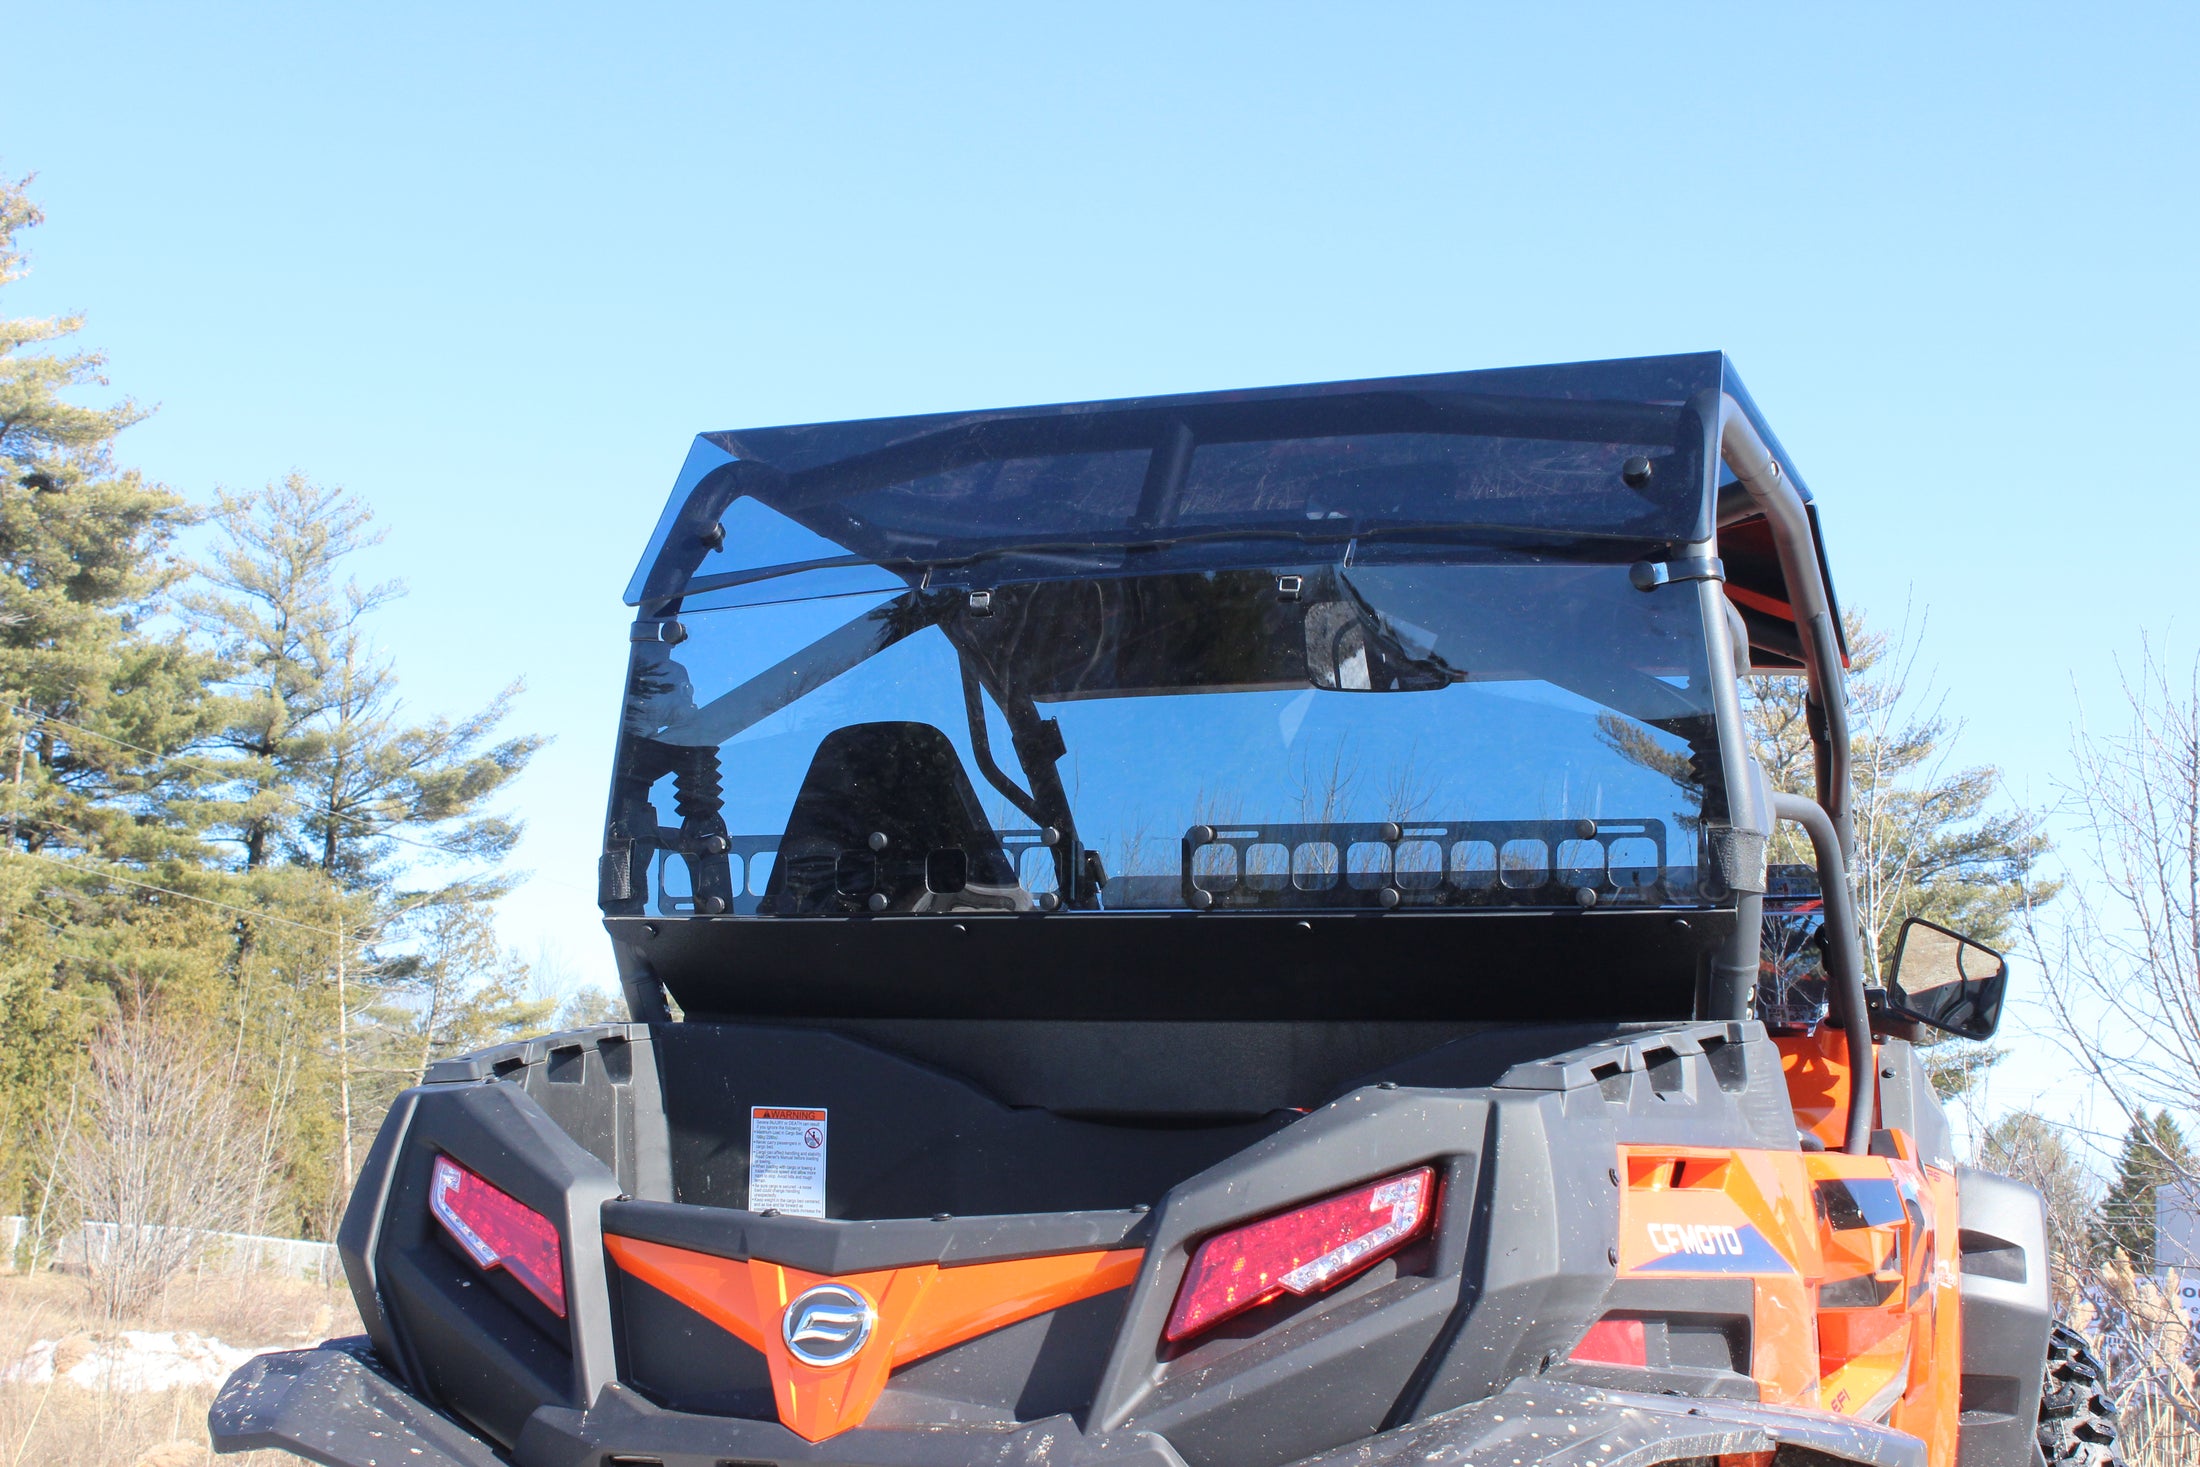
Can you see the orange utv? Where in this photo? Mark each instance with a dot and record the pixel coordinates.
(1216, 931)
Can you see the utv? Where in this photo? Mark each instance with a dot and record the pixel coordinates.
(1215, 931)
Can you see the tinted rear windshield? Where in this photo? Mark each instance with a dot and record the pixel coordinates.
(1406, 732)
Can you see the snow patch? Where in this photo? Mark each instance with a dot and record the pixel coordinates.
(133, 1360)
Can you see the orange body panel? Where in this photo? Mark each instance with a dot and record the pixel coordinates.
(921, 1310)
(1817, 1070)
(1932, 1407)
(1856, 1307)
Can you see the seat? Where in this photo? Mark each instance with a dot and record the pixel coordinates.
(886, 820)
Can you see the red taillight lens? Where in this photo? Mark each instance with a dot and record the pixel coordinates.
(498, 1231)
(1301, 1252)
(1614, 1342)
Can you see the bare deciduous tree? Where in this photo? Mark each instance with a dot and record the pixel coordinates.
(161, 1146)
(2121, 959)
(2123, 964)
(2032, 1149)
(2148, 1347)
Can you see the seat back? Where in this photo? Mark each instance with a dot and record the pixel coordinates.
(887, 811)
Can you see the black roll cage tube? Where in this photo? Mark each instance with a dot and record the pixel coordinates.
(1826, 704)
(1844, 963)
(1826, 820)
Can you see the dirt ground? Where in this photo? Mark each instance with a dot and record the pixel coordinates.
(77, 1391)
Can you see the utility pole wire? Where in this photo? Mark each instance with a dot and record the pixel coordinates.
(205, 768)
(15, 796)
(343, 1044)
(343, 974)
(402, 908)
(254, 912)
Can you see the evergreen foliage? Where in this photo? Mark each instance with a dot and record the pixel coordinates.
(219, 818)
(326, 769)
(1928, 841)
(2154, 1153)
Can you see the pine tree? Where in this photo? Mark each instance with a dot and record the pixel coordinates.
(1928, 844)
(217, 810)
(99, 711)
(96, 704)
(328, 771)
(459, 990)
(2154, 1153)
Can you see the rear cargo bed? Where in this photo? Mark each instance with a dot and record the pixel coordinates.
(971, 1116)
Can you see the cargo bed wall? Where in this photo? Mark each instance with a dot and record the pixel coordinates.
(601, 1086)
(975, 1116)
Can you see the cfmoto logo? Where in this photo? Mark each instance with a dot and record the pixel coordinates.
(827, 1325)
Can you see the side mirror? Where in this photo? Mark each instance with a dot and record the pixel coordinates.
(1946, 980)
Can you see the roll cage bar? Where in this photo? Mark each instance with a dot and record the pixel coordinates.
(1827, 819)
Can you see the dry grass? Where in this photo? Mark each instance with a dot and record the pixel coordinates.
(62, 1424)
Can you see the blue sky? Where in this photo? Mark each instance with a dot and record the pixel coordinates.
(492, 267)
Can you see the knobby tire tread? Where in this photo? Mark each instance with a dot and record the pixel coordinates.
(2077, 1418)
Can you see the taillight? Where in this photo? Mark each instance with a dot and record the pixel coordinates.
(1301, 1252)
(1614, 1342)
(499, 1231)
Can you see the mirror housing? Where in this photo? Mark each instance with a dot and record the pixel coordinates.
(1945, 979)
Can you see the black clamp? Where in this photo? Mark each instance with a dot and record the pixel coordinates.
(1648, 575)
(664, 630)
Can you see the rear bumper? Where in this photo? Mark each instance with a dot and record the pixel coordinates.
(335, 1406)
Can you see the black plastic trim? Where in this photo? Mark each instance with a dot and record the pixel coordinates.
(833, 1246)
(1621, 965)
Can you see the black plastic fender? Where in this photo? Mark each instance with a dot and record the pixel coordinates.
(2006, 1317)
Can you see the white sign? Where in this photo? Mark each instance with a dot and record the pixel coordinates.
(787, 1160)
(2185, 1288)
(2176, 1226)
(2177, 1246)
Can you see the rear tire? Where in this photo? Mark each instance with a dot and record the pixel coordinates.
(2077, 1419)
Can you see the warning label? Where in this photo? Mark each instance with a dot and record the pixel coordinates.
(787, 1160)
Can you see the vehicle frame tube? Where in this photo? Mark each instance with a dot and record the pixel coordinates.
(1827, 703)
(1844, 965)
